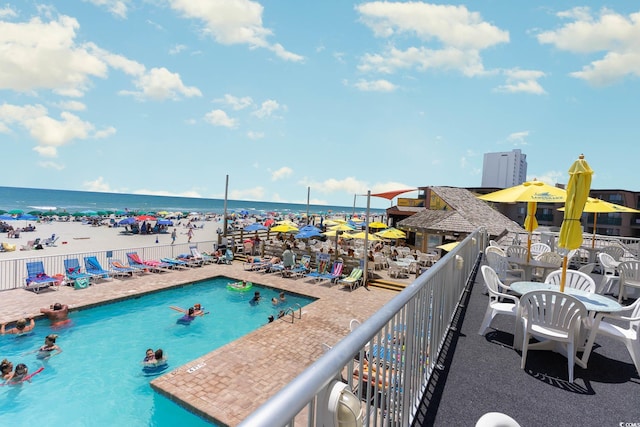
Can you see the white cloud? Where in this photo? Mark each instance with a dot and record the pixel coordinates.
(612, 33)
(105, 133)
(237, 22)
(160, 84)
(375, 86)
(49, 133)
(97, 185)
(235, 102)
(519, 81)
(71, 105)
(116, 7)
(282, 173)
(255, 135)
(349, 185)
(51, 165)
(256, 193)
(267, 108)
(459, 34)
(7, 12)
(176, 49)
(518, 138)
(220, 118)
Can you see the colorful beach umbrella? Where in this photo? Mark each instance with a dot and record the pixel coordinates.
(255, 226)
(5, 217)
(578, 187)
(15, 212)
(145, 218)
(361, 235)
(283, 228)
(391, 233)
(377, 224)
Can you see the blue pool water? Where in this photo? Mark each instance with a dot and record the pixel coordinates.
(98, 380)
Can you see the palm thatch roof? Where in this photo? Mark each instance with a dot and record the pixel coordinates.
(467, 214)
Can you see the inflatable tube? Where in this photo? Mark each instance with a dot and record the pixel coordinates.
(154, 369)
(27, 378)
(239, 286)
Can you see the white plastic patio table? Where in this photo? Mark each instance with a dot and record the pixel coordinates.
(529, 266)
(593, 302)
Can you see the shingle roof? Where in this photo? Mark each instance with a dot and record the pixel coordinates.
(468, 214)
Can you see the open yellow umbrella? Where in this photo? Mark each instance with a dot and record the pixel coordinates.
(377, 224)
(596, 206)
(391, 233)
(283, 228)
(577, 193)
(532, 192)
(341, 227)
(448, 246)
(360, 235)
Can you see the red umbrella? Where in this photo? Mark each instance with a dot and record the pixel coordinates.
(146, 218)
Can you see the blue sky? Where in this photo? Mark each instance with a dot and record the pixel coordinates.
(168, 97)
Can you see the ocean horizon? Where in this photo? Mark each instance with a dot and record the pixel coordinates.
(30, 199)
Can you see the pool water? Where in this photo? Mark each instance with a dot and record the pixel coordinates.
(98, 379)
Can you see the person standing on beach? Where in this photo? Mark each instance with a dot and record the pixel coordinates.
(173, 236)
(190, 235)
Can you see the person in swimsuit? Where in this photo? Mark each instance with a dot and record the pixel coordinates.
(187, 318)
(57, 313)
(20, 328)
(159, 357)
(256, 298)
(19, 374)
(149, 357)
(49, 347)
(6, 370)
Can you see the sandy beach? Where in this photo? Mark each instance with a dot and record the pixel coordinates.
(76, 237)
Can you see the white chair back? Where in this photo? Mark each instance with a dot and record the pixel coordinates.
(617, 252)
(538, 249)
(551, 258)
(495, 249)
(574, 279)
(517, 252)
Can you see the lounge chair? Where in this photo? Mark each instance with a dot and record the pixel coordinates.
(190, 260)
(175, 263)
(51, 241)
(8, 247)
(152, 265)
(255, 264)
(299, 270)
(92, 266)
(205, 259)
(122, 268)
(321, 269)
(335, 274)
(73, 271)
(353, 280)
(225, 259)
(37, 279)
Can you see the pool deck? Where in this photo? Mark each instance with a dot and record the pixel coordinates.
(228, 384)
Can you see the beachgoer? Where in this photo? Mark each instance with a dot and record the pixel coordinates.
(288, 258)
(57, 313)
(149, 357)
(190, 235)
(282, 297)
(159, 357)
(19, 374)
(187, 318)
(271, 319)
(256, 298)
(6, 369)
(47, 350)
(174, 234)
(20, 328)
(274, 301)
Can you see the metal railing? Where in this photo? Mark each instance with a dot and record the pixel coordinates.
(13, 272)
(388, 360)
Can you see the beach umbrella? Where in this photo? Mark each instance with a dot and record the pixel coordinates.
(308, 231)
(361, 235)
(2, 211)
(64, 213)
(284, 228)
(5, 217)
(127, 221)
(27, 217)
(163, 221)
(15, 212)
(145, 218)
(577, 193)
(102, 213)
(341, 227)
(529, 192)
(377, 224)
(391, 233)
(255, 226)
(36, 212)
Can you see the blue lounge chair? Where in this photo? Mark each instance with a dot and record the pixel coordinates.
(73, 270)
(92, 266)
(301, 269)
(37, 279)
(335, 274)
(176, 264)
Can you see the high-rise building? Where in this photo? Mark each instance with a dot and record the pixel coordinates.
(503, 170)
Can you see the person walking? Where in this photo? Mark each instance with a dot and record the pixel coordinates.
(190, 235)
(173, 236)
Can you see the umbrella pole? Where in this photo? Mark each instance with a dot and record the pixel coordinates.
(563, 279)
(595, 222)
(529, 247)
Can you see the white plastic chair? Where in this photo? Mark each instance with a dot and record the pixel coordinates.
(539, 248)
(495, 249)
(626, 329)
(587, 268)
(501, 266)
(517, 252)
(554, 316)
(609, 266)
(629, 277)
(495, 305)
(575, 279)
(616, 252)
(496, 419)
(549, 258)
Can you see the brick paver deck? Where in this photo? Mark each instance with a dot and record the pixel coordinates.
(229, 383)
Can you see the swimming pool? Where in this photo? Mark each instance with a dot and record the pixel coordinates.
(98, 379)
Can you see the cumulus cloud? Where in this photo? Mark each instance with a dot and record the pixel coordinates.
(49, 133)
(522, 81)
(220, 118)
(235, 102)
(159, 84)
(518, 138)
(98, 185)
(255, 135)
(459, 34)
(282, 173)
(267, 108)
(7, 12)
(349, 185)
(614, 34)
(256, 193)
(176, 49)
(375, 86)
(237, 22)
(71, 105)
(118, 8)
(51, 165)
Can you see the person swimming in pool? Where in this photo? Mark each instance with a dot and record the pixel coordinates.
(6, 370)
(20, 374)
(160, 358)
(57, 314)
(49, 348)
(149, 356)
(256, 298)
(20, 328)
(188, 317)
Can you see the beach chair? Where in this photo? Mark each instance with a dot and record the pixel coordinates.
(37, 279)
(124, 269)
(51, 241)
(321, 269)
(151, 265)
(301, 269)
(335, 274)
(92, 266)
(353, 280)
(74, 272)
(175, 263)
(225, 259)
(205, 259)
(255, 264)
(190, 260)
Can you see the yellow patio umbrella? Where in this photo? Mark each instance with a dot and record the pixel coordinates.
(377, 224)
(578, 187)
(284, 228)
(596, 206)
(448, 246)
(531, 192)
(341, 227)
(361, 235)
(391, 233)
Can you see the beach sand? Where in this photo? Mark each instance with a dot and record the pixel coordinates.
(76, 237)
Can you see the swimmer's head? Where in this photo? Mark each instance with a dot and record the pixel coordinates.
(51, 337)
(21, 369)
(21, 324)
(57, 306)
(197, 306)
(191, 311)
(149, 352)
(159, 354)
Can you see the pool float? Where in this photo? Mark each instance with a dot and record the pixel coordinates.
(154, 369)
(26, 378)
(239, 287)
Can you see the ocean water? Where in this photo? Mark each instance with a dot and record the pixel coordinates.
(29, 199)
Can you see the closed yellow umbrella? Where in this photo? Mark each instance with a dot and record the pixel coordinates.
(530, 224)
(577, 193)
